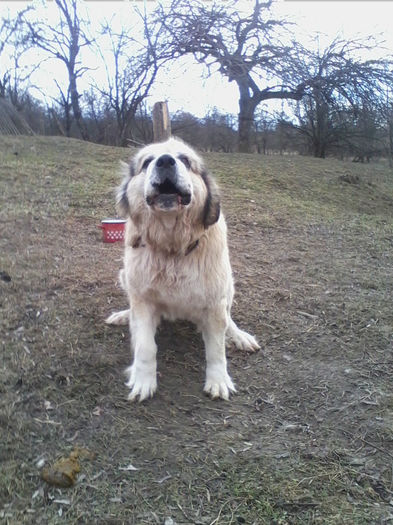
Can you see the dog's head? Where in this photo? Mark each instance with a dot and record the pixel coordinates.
(169, 178)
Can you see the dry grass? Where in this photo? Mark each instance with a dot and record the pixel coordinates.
(308, 439)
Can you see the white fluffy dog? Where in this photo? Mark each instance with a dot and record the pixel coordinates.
(176, 263)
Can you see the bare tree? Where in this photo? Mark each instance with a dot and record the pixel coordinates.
(188, 127)
(389, 121)
(390, 137)
(218, 132)
(265, 123)
(144, 124)
(214, 132)
(386, 113)
(246, 48)
(8, 27)
(64, 121)
(336, 82)
(136, 55)
(64, 42)
(14, 75)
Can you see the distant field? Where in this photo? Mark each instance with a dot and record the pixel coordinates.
(308, 439)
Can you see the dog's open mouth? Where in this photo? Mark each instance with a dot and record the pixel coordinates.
(168, 196)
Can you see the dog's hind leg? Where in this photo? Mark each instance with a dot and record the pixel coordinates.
(119, 318)
(241, 339)
(122, 317)
(122, 279)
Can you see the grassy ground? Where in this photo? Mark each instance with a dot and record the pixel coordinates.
(308, 438)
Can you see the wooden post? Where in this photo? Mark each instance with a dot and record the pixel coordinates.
(161, 122)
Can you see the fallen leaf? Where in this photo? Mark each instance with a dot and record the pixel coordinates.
(128, 467)
(63, 473)
(80, 452)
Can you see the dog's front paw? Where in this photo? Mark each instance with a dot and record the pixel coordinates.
(143, 384)
(218, 384)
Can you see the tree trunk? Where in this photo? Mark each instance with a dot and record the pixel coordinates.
(264, 145)
(68, 120)
(76, 107)
(246, 119)
(319, 149)
(321, 125)
(248, 105)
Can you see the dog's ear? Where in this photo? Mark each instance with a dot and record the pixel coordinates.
(122, 204)
(211, 210)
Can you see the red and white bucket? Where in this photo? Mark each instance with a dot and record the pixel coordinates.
(113, 230)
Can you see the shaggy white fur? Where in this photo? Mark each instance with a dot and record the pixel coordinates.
(176, 263)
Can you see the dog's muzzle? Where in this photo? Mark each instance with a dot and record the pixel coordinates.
(167, 193)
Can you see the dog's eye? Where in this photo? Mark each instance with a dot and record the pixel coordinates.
(185, 160)
(147, 162)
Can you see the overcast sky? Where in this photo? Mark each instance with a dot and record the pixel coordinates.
(337, 17)
(185, 85)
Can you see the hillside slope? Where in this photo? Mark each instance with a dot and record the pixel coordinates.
(307, 439)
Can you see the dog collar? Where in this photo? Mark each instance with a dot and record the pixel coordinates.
(192, 247)
(138, 242)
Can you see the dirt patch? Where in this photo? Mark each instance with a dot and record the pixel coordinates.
(307, 439)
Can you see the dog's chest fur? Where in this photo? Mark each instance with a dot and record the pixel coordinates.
(184, 285)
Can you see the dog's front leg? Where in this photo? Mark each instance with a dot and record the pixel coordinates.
(218, 383)
(143, 371)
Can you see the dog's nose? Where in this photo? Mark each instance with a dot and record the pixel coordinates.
(165, 161)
